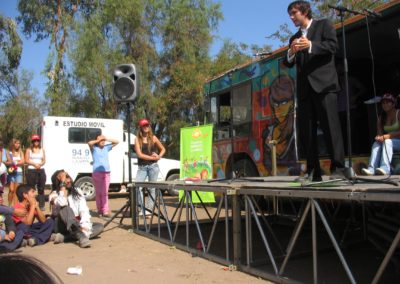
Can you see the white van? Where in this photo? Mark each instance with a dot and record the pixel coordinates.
(65, 142)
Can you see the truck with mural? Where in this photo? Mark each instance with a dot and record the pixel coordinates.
(254, 105)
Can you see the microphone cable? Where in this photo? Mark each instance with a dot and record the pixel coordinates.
(384, 150)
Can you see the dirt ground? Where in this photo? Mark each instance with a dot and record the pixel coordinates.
(122, 256)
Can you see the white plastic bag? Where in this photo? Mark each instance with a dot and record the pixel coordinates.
(3, 169)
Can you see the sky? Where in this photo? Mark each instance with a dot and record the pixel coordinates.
(247, 21)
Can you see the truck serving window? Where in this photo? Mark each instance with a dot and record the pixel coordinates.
(82, 135)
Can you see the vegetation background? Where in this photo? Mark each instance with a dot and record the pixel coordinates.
(168, 41)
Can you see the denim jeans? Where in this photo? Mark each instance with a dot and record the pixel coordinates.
(151, 173)
(381, 156)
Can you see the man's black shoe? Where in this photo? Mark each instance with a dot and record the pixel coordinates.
(316, 178)
(338, 173)
(309, 178)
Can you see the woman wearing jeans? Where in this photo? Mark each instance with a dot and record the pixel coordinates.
(387, 140)
(149, 150)
(101, 171)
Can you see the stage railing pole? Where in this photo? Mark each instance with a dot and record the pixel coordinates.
(132, 189)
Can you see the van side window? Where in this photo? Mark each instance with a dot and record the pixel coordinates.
(82, 135)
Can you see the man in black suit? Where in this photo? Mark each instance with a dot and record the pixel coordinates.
(312, 50)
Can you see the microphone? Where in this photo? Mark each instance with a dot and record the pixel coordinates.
(343, 9)
(373, 13)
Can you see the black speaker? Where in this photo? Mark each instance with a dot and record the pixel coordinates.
(126, 83)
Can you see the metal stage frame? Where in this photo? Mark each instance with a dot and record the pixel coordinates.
(282, 231)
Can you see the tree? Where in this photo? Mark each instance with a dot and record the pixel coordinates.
(54, 20)
(10, 55)
(230, 55)
(21, 115)
(184, 63)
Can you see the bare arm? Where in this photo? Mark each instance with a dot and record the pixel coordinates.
(91, 143)
(21, 162)
(160, 147)
(30, 217)
(27, 155)
(114, 142)
(379, 130)
(43, 159)
(40, 213)
(394, 134)
(9, 161)
(140, 154)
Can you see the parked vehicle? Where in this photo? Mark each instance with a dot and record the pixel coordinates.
(65, 142)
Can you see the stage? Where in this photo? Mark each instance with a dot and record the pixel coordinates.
(275, 228)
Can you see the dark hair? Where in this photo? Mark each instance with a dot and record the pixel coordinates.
(18, 268)
(22, 188)
(55, 184)
(303, 6)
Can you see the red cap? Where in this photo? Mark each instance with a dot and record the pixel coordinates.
(35, 137)
(143, 122)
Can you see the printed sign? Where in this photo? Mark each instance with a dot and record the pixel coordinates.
(196, 158)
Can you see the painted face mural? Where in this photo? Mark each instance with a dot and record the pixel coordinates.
(281, 130)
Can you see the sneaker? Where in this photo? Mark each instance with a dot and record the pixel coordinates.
(147, 213)
(23, 243)
(367, 172)
(380, 172)
(32, 242)
(84, 242)
(58, 239)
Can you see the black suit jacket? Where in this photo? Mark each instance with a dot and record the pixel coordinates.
(317, 67)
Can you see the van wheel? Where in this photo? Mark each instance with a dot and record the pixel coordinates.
(87, 186)
(171, 191)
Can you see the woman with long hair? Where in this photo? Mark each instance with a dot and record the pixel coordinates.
(387, 139)
(15, 172)
(35, 158)
(149, 150)
(4, 162)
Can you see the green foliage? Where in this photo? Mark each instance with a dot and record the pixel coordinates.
(54, 20)
(10, 55)
(167, 40)
(21, 114)
(229, 56)
(184, 61)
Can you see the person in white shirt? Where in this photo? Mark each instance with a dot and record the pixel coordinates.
(71, 212)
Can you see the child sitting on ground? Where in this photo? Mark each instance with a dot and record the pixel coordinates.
(37, 233)
(10, 238)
